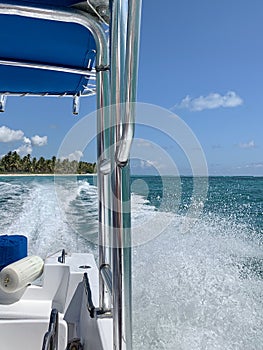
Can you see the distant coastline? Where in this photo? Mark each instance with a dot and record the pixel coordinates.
(12, 164)
(39, 175)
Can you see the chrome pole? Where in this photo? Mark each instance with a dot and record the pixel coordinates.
(119, 12)
(131, 77)
(103, 178)
(125, 26)
(122, 156)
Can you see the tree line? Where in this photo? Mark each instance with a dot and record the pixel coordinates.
(13, 163)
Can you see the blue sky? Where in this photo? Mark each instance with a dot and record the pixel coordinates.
(203, 60)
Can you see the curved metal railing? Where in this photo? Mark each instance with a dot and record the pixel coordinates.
(50, 341)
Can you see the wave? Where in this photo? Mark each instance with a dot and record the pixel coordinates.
(199, 290)
(194, 289)
(46, 217)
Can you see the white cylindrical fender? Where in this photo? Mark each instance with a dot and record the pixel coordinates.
(20, 273)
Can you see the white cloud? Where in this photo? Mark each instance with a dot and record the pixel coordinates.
(73, 156)
(27, 140)
(250, 144)
(211, 101)
(25, 148)
(146, 164)
(9, 135)
(254, 165)
(39, 141)
(143, 143)
(254, 169)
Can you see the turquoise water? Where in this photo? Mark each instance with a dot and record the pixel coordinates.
(197, 263)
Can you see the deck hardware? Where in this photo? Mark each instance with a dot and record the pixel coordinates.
(76, 104)
(6, 281)
(50, 341)
(90, 305)
(62, 258)
(2, 102)
(94, 312)
(84, 267)
(102, 68)
(75, 344)
(102, 314)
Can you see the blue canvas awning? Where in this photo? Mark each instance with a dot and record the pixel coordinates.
(43, 42)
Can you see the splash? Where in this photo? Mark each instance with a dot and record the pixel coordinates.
(189, 290)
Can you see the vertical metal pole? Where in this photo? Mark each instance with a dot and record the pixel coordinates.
(119, 10)
(103, 89)
(131, 76)
(123, 80)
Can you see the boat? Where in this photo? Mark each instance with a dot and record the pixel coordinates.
(67, 48)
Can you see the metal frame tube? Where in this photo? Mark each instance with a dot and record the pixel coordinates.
(131, 76)
(63, 69)
(131, 73)
(125, 19)
(121, 262)
(68, 15)
(117, 55)
(91, 92)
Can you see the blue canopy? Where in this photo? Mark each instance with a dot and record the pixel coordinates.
(44, 42)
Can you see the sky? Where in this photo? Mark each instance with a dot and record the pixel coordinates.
(201, 60)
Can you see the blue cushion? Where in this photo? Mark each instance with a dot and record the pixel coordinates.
(12, 248)
(45, 42)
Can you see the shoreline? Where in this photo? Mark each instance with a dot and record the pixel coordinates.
(41, 175)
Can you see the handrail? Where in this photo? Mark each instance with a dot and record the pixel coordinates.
(131, 72)
(90, 305)
(50, 341)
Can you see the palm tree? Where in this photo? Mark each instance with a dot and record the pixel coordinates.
(40, 165)
(26, 164)
(12, 163)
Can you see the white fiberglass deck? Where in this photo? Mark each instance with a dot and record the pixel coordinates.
(24, 323)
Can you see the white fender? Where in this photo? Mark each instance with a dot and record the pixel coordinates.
(20, 273)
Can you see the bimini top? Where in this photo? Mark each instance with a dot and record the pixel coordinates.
(43, 52)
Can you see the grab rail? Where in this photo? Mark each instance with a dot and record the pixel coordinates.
(50, 341)
(90, 305)
(131, 72)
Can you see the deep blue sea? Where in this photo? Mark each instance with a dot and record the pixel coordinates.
(197, 256)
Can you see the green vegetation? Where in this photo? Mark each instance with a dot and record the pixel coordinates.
(13, 163)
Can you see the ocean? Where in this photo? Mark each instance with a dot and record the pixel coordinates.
(197, 256)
